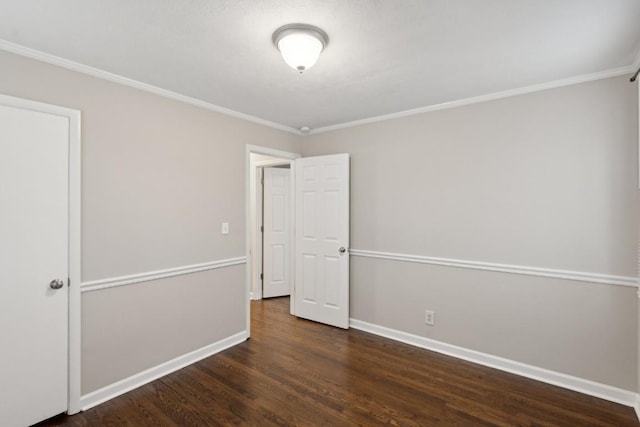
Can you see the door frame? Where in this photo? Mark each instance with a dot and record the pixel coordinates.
(285, 156)
(74, 230)
(257, 251)
(259, 241)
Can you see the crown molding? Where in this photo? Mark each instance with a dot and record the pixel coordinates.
(95, 72)
(115, 78)
(615, 72)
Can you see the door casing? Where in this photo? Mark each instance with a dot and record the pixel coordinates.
(256, 250)
(284, 237)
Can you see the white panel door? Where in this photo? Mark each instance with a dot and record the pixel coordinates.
(276, 281)
(34, 214)
(322, 239)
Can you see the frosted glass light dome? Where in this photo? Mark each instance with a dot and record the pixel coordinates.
(300, 45)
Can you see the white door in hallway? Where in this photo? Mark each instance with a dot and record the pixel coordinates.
(34, 217)
(322, 239)
(276, 256)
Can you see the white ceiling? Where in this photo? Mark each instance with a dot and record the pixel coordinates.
(384, 56)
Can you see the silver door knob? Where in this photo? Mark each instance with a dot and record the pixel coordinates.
(342, 250)
(56, 284)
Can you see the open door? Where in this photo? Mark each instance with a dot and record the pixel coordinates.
(322, 239)
(276, 231)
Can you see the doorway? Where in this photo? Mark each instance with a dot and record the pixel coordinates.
(258, 158)
(265, 167)
(319, 255)
(275, 239)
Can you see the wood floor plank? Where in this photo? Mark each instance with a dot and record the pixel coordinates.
(294, 372)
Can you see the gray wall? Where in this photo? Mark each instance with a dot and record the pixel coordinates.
(158, 177)
(545, 180)
(145, 324)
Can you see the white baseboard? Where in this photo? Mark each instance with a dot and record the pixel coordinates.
(592, 388)
(116, 389)
(636, 407)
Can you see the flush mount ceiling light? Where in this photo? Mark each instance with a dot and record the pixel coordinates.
(300, 44)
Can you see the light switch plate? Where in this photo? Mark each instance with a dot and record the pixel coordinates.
(225, 228)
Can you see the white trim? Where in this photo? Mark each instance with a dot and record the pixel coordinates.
(256, 195)
(131, 279)
(257, 249)
(636, 406)
(636, 62)
(42, 107)
(101, 74)
(123, 386)
(95, 72)
(75, 261)
(266, 151)
(580, 276)
(292, 239)
(274, 162)
(256, 149)
(592, 388)
(105, 75)
(75, 230)
(638, 90)
(482, 98)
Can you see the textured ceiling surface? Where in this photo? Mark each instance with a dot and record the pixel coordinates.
(384, 56)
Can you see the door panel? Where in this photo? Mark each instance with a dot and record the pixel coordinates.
(276, 281)
(322, 229)
(33, 252)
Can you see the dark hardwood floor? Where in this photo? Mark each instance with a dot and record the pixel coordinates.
(296, 372)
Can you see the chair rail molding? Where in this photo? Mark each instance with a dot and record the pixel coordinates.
(112, 282)
(580, 276)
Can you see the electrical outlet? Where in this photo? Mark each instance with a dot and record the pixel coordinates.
(430, 317)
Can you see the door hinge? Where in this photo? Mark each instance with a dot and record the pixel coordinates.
(68, 281)
(261, 276)
(262, 228)
(262, 180)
